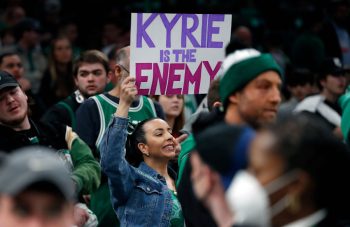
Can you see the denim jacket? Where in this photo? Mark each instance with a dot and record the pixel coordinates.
(140, 195)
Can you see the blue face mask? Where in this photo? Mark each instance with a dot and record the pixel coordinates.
(249, 200)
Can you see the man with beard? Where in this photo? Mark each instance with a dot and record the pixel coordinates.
(249, 90)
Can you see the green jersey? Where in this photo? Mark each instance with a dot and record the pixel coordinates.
(107, 107)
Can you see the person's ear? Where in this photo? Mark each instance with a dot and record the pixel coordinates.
(323, 82)
(117, 70)
(217, 104)
(234, 98)
(143, 148)
(117, 73)
(110, 75)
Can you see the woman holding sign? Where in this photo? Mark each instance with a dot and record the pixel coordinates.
(143, 196)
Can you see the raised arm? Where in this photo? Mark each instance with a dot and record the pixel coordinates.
(120, 174)
(86, 171)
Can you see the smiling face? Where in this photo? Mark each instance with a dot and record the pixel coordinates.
(13, 106)
(258, 102)
(160, 144)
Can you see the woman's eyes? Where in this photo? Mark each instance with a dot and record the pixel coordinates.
(162, 133)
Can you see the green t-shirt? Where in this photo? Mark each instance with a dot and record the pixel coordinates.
(177, 218)
(186, 147)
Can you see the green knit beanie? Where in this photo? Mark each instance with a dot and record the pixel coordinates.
(241, 73)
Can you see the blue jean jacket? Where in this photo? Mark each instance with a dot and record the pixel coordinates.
(140, 195)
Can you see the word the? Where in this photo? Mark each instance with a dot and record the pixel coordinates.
(181, 55)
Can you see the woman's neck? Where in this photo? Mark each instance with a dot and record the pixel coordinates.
(160, 166)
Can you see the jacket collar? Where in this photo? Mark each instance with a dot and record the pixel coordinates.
(154, 174)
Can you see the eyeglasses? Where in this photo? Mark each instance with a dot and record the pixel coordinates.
(121, 66)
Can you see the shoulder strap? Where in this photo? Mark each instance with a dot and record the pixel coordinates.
(152, 105)
(97, 99)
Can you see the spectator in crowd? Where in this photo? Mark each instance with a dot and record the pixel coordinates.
(300, 83)
(332, 83)
(151, 185)
(13, 15)
(58, 82)
(250, 96)
(35, 190)
(91, 75)
(231, 144)
(18, 130)
(290, 179)
(12, 63)
(255, 96)
(93, 117)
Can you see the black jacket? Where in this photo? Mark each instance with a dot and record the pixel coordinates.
(40, 133)
(63, 112)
